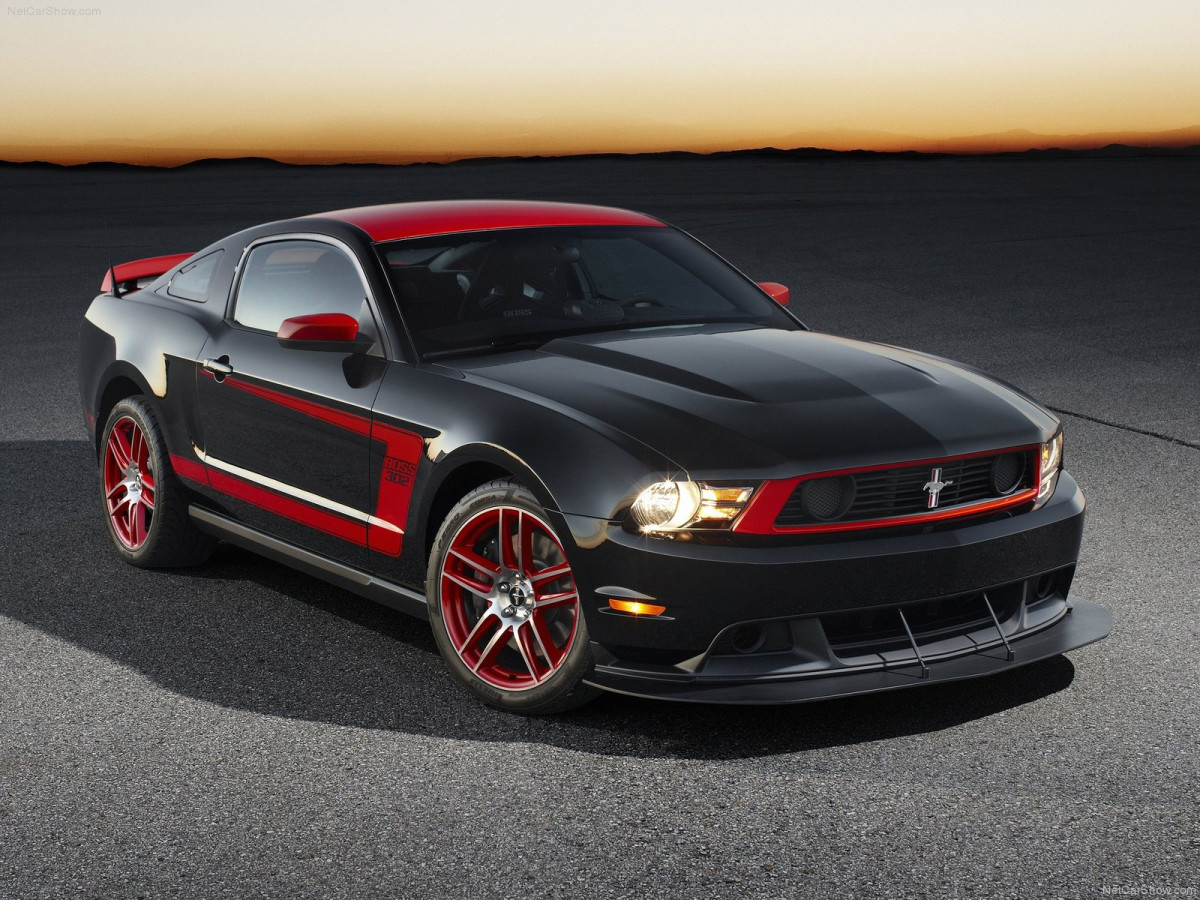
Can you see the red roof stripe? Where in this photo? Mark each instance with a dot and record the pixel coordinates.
(395, 221)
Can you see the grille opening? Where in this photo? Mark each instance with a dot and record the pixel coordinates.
(1007, 471)
(1045, 586)
(1052, 584)
(747, 638)
(754, 637)
(880, 630)
(905, 490)
(827, 498)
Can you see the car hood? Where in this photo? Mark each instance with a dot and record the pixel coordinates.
(782, 402)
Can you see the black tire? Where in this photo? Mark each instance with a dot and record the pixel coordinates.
(506, 615)
(144, 503)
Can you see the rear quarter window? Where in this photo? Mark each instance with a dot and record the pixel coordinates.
(191, 282)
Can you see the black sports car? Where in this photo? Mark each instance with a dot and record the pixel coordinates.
(588, 450)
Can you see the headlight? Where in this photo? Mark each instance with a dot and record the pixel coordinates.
(672, 505)
(1051, 457)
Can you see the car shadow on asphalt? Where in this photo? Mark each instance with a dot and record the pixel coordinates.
(246, 633)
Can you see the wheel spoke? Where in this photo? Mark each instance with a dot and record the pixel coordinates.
(551, 573)
(475, 561)
(536, 624)
(494, 646)
(525, 543)
(147, 495)
(509, 555)
(138, 523)
(115, 488)
(131, 518)
(119, 444)
(527, 654)
(467, 583)
(563, 598)
(137, 448)
(115, 509)
(478, 631)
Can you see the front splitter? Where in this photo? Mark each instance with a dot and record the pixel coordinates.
(1084, 624)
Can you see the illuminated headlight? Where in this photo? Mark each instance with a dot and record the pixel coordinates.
(1051, 456)
(672, 505)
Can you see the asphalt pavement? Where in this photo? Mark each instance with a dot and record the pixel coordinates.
(240, 730)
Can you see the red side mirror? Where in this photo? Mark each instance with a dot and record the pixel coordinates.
(320, 331)
(776, 292)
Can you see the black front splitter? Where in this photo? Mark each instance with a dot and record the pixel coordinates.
(1084, 624)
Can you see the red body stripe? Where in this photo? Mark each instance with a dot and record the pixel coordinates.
(402, 453)
(296, 510)
(189, 468)
(349, 421)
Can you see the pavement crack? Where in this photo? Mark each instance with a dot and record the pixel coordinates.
(1154, 434)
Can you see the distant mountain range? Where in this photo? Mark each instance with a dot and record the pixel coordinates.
(800, 144)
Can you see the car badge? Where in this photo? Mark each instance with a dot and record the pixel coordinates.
(934, 487)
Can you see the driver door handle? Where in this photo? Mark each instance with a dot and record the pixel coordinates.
(219, 367)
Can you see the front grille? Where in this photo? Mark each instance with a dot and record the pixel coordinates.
(902, 491)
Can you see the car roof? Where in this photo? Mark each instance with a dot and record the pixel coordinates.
(394, 221)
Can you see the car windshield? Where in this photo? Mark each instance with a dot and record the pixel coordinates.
(480, 291)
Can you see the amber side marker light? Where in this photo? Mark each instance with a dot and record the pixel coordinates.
(636, 607)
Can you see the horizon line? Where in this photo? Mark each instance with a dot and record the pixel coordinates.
(329, 159)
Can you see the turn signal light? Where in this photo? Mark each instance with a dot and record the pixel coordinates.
(636, 607)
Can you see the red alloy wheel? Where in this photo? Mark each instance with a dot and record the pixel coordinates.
(128, 483)
(508, 599)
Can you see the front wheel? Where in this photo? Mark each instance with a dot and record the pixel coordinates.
(503, 603)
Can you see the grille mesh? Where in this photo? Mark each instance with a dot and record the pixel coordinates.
(900, 491)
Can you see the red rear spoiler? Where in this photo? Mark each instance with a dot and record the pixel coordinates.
(127, 275)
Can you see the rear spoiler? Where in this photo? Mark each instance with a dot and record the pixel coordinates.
(130, 276)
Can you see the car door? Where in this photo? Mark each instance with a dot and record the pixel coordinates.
(286, 430)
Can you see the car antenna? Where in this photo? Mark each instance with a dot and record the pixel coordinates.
(112, 270)
(112, 277)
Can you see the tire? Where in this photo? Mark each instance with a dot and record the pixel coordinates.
(145, 505)
(506, 614)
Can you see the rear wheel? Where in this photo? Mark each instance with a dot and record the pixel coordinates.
(145, 505)
(503, 603)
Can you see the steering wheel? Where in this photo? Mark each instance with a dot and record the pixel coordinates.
(642, 300)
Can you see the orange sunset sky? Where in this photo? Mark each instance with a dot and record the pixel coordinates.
(402, 81)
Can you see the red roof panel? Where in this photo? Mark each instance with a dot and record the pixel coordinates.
(394, 221)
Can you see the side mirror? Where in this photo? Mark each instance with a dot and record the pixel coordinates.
(776, 292)
(320, 331)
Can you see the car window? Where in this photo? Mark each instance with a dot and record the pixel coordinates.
(630, 271)
(283, 279)
(191, 282)
(472, 291)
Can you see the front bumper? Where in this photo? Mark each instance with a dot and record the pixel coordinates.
(782, 623)
(1083, 623)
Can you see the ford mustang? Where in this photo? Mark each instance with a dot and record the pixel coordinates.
(593, 454)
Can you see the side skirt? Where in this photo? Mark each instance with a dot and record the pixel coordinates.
(362, 583)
